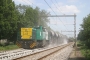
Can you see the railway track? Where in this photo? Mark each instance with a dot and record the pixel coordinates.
(13, 54)
(34, 54)
(48, 54)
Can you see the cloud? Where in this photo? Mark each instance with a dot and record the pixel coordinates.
(61, 8)
(24, 2)
(72, 1)
(69, 9)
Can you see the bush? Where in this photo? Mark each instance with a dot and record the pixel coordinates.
(4, 42)
(86, 52)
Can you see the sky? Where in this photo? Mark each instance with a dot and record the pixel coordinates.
(62, 7)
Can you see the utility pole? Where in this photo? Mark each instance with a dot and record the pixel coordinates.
(75, 27)
(75, 33)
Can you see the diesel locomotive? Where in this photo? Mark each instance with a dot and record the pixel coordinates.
(37, 37)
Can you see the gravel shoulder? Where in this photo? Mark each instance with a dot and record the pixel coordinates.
(76, 54)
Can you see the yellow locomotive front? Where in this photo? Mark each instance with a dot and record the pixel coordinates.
(26, 38)
(26, 33)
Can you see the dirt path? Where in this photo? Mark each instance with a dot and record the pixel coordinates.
(76, 55)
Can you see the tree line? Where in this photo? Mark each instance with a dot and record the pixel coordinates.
(84, 34)
(13, 17)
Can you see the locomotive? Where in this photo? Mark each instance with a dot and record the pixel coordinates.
(37, 37)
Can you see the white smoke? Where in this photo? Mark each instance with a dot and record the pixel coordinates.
(65, 41)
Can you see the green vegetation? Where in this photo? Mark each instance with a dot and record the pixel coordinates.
(9, 47)
(84, 50)
(84, 34)
(13, 17)
(84, 37)
(8, 20)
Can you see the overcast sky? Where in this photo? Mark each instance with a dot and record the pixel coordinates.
(61, 7)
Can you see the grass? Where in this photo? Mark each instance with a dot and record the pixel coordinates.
(84, 50)
(9, 47)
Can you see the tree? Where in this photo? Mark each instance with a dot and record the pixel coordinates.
(31, 17)
(85, 33)
(42, 19)
(80, 36)
(8, 19)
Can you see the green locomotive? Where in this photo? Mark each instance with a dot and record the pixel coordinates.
(33, 37)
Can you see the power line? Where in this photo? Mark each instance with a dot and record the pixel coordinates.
(56, 6)
(32, 3)
(29, 2)
(55, 13)
(49, 6)
(24, 1)
(57, 3)
(59, 9)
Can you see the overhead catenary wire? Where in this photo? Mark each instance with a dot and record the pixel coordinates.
(35, 5)
(25, 1)
(32, 3)
(29, 2)
(49, 6)
(54, 13)
(60, 9)
(56, 7)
